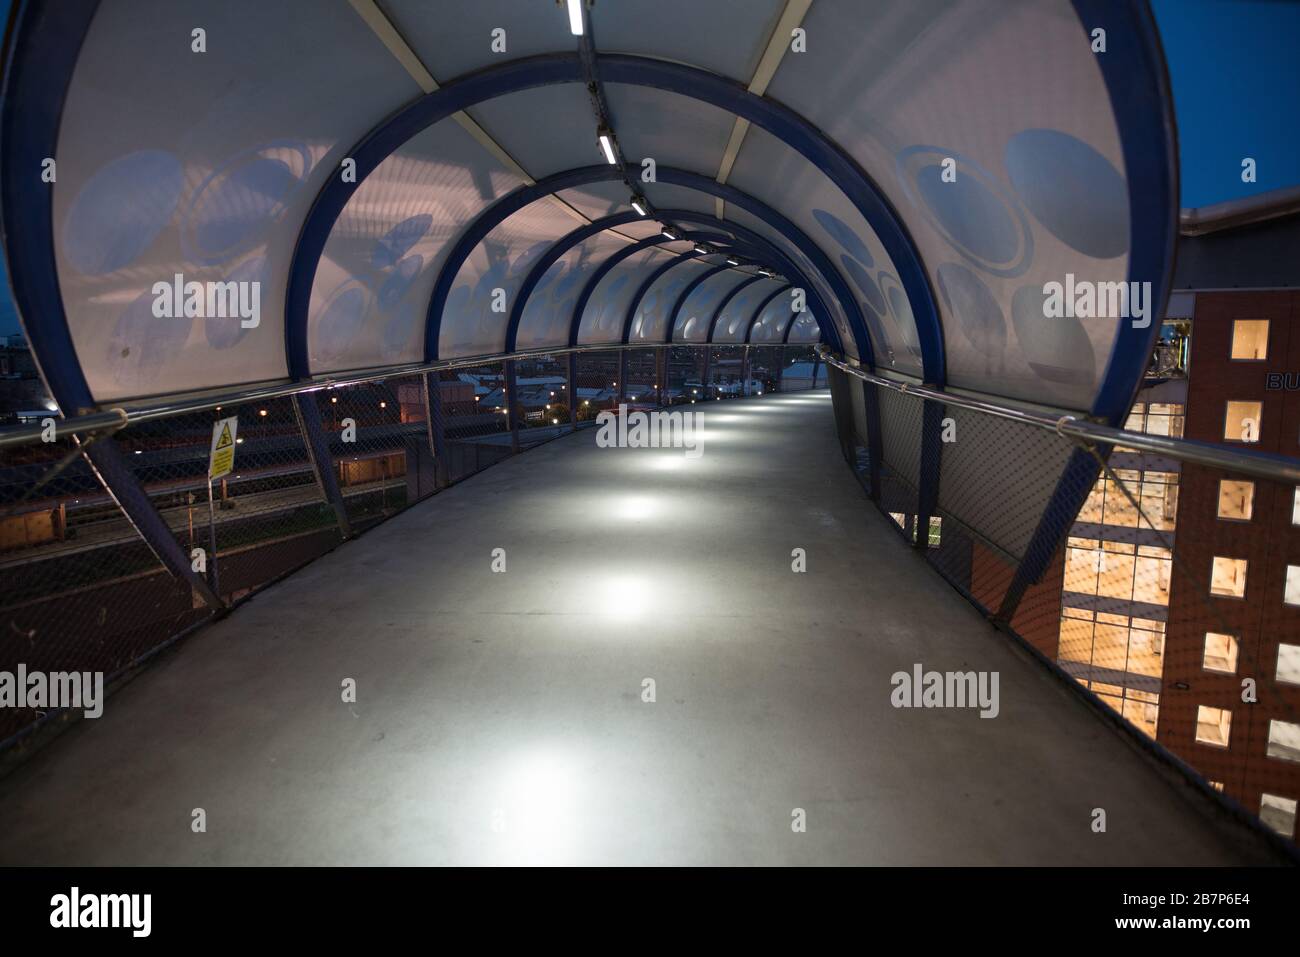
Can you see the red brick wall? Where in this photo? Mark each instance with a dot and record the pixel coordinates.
(1269, 542)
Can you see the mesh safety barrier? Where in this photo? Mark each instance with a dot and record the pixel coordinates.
(1191, 639)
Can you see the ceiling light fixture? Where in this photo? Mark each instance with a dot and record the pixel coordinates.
(639, 205)
(605, 136)
(575, 17)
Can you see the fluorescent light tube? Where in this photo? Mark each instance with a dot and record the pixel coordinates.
(575, 17)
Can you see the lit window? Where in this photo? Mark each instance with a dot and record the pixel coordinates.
(1295, 507)
(1292, 594)
(1288, 664)
(1278, 813)
(1213, 726)
(1236, 500)
(1250, 339)
(1165, 419)
(1220, 653)
(1284, 740)
(936, 531)
(1228, 577)
(1241, 421)
(1217, 785)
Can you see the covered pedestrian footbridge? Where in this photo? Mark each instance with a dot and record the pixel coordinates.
(400, 242)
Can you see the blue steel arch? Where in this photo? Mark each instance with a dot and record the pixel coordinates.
(1138, 83)
(549, 258)
(788, 266)
(819, 149)
(601, 271)
(550, 69)
(40, 56)
(567, 242)
(501, 210)
(511, 203)
(749, 331)
(45, 39)
(571, 239)
(717, 313)
(647, 283)
(681, 300)
(42, 51)
(789, 326)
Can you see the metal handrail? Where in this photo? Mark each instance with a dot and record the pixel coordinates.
(119, 417)
(1265, 465)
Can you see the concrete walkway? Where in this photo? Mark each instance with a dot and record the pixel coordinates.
(499, 717)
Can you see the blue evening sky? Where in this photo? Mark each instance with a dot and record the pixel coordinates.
(1235, 69)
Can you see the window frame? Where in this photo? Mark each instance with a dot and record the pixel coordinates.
(1229, 558)
(1232, 342)
(1259, 424)
(1218, 505)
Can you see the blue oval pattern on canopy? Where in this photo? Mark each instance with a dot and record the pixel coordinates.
(935, 215)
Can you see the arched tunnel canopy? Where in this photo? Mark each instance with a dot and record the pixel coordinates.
(392, 174)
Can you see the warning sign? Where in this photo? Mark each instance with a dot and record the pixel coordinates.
(222, 461)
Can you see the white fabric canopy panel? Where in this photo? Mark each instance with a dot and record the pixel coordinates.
(981, 137)
(174, 163)
(606, 310)
(1013, 93)
(772, 321)
(483, 292)
(375, 278)
(739, 312)
(769, 169)
(650, 320)
(692, 321)
(548, 314)
(804, 329)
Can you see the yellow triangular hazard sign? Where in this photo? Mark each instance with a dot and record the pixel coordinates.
(225, 441)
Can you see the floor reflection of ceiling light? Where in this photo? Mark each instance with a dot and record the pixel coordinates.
(622, 597)
(534, 811)
(634, 508)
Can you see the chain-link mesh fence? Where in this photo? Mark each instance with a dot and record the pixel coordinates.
(1167, 590)
(264, 519)
(470, 417)
(377, 434)
(725, 379)
(541, 398)
(597, 387)
(685, 376)
(802, 369)
(765, 368)
(642, 371)
(82, 592)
